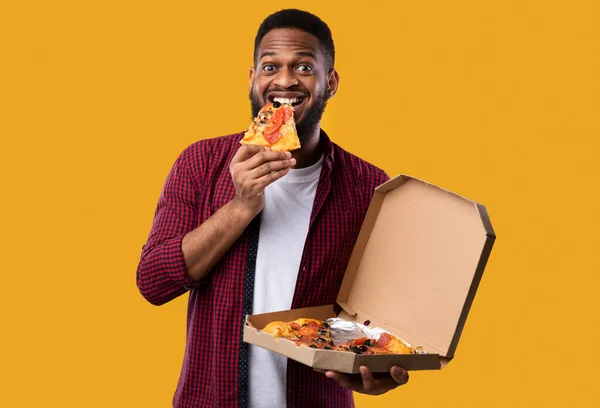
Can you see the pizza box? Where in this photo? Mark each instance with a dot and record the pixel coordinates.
(414, 271)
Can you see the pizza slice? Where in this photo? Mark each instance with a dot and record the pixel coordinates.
(274, 127)
(299, 328)
(309, 332)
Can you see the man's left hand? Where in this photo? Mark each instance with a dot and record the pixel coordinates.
(366, 383)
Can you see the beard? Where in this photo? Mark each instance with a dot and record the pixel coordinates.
(310, 120)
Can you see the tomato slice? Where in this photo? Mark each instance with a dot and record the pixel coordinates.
(274, 123)
(273, 137)
(287, 112)
(360, 342)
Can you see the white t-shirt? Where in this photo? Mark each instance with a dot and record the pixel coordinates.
(283, 228)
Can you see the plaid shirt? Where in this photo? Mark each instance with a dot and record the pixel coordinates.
(197, 186)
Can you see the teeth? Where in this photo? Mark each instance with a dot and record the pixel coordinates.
(286, 100)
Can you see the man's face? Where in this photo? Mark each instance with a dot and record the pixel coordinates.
(291, 66)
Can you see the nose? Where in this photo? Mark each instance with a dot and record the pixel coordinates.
(285, 78)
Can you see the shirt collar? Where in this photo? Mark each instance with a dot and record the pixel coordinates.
(327, 148)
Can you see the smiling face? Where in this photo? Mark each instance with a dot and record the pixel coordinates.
(291, 68)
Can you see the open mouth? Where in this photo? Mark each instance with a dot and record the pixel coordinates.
(293, 101)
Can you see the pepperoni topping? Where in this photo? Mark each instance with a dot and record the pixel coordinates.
(384, 340)
(314, 324)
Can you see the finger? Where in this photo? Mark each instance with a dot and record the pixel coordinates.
(265, 156)
(399, 375)
(244, 152)
(271, 166)
(267, 179)
(342, 379)
(367, 379)
(383, 385)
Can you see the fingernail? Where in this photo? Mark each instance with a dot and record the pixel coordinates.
(396, 371)
(293, 161)
(288, 154)
(363, 371)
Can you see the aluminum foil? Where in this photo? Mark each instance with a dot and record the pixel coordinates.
(343, 331)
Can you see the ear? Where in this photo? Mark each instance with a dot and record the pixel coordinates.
(333, 81)
(251, 77)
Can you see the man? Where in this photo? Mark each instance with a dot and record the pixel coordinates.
(248, 230)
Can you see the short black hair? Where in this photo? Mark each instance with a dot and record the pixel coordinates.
(303, 20)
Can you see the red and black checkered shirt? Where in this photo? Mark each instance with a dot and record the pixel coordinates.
(197, 186)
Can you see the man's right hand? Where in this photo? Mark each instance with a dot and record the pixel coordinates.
(252, 169)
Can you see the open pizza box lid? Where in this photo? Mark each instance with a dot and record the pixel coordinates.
(414, 271)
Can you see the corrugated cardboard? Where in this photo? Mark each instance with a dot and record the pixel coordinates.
(414, 271)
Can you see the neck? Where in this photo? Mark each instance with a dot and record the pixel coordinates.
(311, 150)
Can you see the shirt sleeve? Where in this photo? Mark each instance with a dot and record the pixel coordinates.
(383, 177)
(375, 178)
(162, 274)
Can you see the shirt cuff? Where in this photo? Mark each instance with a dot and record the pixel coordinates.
(173, 263)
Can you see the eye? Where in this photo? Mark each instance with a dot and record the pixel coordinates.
(268, 68)
(304, 68)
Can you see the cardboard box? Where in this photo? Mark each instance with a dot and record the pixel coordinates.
(414, 271)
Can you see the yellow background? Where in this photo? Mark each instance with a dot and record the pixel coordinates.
(495, 100)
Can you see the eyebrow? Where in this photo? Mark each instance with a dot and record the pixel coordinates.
(307, 54)
(300, 53)
(266, 54)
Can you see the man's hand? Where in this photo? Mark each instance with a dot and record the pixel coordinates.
(253, 168)
(367, 383)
